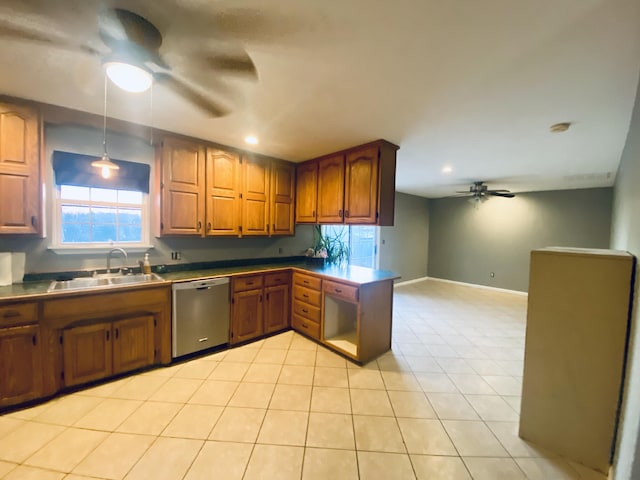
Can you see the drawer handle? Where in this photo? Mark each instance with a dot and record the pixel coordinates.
(306, 282)
(249, 283)
(10, 314)
(304, 325)
(337, 290)
(304, 295)
(203, 339)
(304, 310)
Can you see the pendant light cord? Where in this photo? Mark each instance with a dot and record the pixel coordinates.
(104, 124)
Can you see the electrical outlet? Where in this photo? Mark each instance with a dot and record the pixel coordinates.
(176, 255)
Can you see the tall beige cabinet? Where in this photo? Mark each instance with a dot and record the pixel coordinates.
(577, 324)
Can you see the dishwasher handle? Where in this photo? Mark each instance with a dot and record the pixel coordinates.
(205, 284)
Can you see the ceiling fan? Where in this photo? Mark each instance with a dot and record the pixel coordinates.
(478, 192)
(133, 47)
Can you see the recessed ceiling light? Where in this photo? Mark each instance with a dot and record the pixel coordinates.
(560, 127)
(447, 169)
(250, 139)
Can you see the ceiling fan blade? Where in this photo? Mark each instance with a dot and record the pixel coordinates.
(34, 34)
(198, 99)
(239, 63)
(498, 193)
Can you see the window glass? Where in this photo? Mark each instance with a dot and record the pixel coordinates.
(72, 192)
(89, 215)
(104, 195)
(362, 242)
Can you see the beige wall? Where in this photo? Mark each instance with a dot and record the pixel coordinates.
(625, 235)
(466, 243)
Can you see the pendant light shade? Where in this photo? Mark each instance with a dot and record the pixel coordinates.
(105, 165)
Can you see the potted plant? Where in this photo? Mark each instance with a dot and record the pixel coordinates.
(329, 247)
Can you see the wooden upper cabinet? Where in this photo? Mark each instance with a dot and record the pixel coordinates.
(361, 186)
(282, 198)
(355, 186)
(255, 195)
(20, 170)
(331, 189)
(182, 187)
(223, 193)
(306, 192)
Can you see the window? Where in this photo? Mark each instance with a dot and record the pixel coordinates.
(94, 212)
(90, 215)
(362, 241)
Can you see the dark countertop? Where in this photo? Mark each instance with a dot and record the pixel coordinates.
(349, 274)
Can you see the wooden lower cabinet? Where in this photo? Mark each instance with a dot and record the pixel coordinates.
(306, 312)
(246, 315)
(133, 343)
(259, 304)
(20, 364)
(88, 353)
(276, 308)
(96, 351)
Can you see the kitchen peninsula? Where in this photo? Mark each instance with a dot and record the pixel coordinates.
(51, 341)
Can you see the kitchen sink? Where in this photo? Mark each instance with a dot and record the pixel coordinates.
(103, 280)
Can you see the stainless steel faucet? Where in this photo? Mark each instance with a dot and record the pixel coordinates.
(124, 258)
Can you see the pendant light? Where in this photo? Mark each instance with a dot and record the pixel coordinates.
(105, 164)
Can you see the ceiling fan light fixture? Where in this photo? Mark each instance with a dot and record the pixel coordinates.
(128, 77)
(559, 127)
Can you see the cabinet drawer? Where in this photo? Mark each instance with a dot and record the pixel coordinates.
(307, 281)
(341, 290)
(306, 326)
(249, 282)
(306, 310)
(18, 314)
(278, 278)
(307, 295)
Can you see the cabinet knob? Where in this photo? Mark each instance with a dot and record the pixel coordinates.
(199, 225)
(33, 221)
(340, 212)
(346, 213)
(208, 226)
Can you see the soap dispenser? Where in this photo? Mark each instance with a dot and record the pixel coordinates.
(146, 266)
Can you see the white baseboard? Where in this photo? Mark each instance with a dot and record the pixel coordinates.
(473, 285)
(408, 282)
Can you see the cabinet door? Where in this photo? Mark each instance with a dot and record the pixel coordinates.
(282, 198)
(306, 192)
(223, 193)
(361, 186)
(331, 189)
(246, 315)
(276, 308)
(20, 197)
(182, 187)
(87, 353)
(255, 195)
(133, 343)
(20, 364)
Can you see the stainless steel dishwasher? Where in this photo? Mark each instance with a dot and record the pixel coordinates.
(200, 315)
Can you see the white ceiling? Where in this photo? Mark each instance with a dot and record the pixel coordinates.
(469, 84)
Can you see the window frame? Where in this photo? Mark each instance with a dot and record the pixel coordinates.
(98, 247)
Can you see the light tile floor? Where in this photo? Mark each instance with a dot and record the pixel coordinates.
(443, 404)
